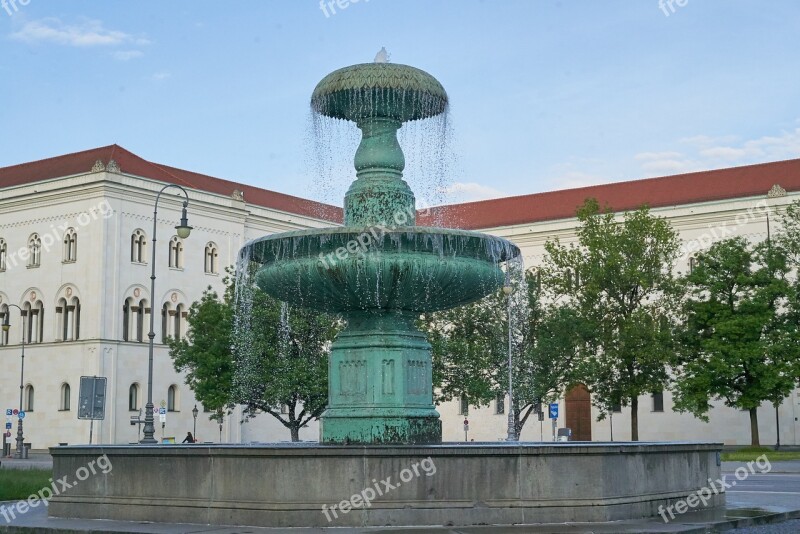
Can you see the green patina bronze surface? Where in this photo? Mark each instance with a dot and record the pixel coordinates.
(380, 270)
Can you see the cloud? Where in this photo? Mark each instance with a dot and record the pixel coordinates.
(162, 75)
(705, 152)
(470, 192)
(127, 55)
(85, 34)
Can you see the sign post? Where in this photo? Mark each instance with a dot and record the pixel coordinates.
(92, 405)
(554, 417)
(466, 429)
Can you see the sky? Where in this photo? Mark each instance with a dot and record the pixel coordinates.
(544, 94)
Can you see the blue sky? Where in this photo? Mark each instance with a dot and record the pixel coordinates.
(545, 94)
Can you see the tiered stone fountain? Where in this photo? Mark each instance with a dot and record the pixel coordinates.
(381, 434)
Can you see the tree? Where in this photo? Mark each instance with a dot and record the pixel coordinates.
(739, 339)
(618, 280)
(470, 349)
(286, 366)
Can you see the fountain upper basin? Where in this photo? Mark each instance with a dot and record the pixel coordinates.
(414, 269)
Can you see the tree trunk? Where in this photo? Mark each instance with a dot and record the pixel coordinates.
(754, 441)
(295, 429)
(634, 418)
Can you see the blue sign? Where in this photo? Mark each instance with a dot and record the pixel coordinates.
(8, 426)
(9, 412)
(21, 415)
(554, 410)
(162, 411)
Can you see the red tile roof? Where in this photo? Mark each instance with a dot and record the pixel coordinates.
(130, 163)
(736, 182)
(695, 187)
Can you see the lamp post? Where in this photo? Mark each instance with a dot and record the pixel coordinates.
(512, 427)
(194, 428)
(183, 230)
(20, 438)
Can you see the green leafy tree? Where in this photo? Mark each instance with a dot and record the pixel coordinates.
(739, 343)
(618, 281)
(470, 349)
(286, 372)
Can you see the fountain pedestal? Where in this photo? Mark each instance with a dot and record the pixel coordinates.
(380, 383)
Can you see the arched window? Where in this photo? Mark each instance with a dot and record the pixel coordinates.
(133, 397)
(3, 254)
(166, 313)
(211, 263)
(3, 335)
(34, 251)
(28, 398)
(33, 322)
(138, 247)
(172, 398)
(175, 253)
(68, 319)
(66, 393)
(135, 317)
(180, 322)
(70, 245)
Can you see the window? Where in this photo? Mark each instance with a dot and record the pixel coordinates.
(138, 247)
(28, 398)
(172, 399)
(70, 245)
(3, 335)
(65, 398)
(175, 253)
(211, 263)
(33, 322)
(658, 401)
(68, 319)
(166, 313)
(500, 404)
(133, 397)
(3, 254)
(463, 406)
(616, 407)
(134, 318)
(34, 251)
(284, 408)
(692, 264)
(180, 322)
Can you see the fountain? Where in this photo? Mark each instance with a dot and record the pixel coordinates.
(381, 461)
(380, 271)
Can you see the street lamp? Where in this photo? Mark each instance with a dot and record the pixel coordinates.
(512, 428)
(20, 439)
(183, 230)
(194, 414)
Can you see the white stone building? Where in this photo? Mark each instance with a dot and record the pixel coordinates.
(75, 256)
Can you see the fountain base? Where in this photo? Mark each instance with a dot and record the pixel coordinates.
(379, 384)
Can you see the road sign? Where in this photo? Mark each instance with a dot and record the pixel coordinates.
(554, 410)
(8, 434)
(162, 411)
(92, 398)
(21, 415)
(466, 425)
(8, 426)
(9, 411)
(162, 417)
(15, 412)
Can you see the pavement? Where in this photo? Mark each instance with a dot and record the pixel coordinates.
(756, 504)
(36, 460)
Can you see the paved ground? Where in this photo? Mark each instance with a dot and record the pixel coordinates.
(34, 461)
(757, 498)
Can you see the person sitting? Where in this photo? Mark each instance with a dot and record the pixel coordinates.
(189, 438)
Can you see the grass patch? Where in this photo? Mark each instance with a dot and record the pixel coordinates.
(18, 484)
(749, 454)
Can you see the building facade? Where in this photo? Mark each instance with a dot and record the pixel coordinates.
(76, 254)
